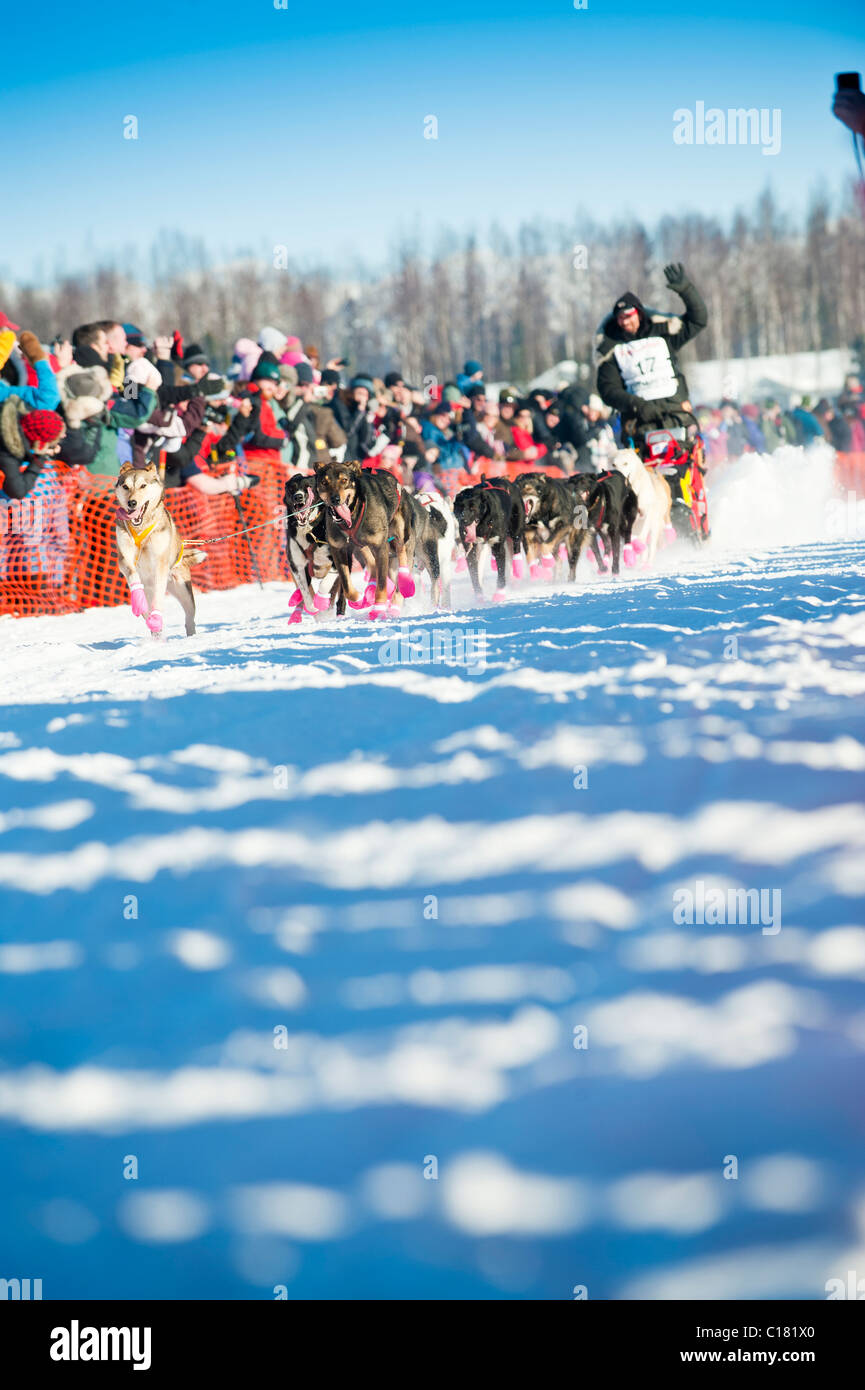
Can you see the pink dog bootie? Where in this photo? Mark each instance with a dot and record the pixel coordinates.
(670, 533)
(518, 568)
(535, 569)
(405, 583)
(499, 596)
(138, 600)
(154, 621)
(295, 616)
(322, 601)
(296, 598)
(628, 556)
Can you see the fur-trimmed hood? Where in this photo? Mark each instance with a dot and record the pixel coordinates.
(84, 392)
(13, 441)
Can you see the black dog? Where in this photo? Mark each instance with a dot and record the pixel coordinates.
(491, 513)
(309, 554)
(368, 515)
(612, 511)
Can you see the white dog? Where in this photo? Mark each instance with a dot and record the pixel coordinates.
(654, 500)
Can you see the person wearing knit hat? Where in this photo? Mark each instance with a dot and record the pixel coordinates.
(195, 361)
(472, 371)
(43, 429)
(246, 354)
(293, 352)
(638, 366)
(271, 340)
(363, 383)
(266, 369)
(27, 442)
(136, 343)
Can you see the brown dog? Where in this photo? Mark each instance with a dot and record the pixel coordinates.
(368, 516)
(153, 559)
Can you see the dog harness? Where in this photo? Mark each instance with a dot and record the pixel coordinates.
(351, 531)
(139, 537)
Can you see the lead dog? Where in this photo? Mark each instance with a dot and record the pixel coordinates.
(308, 552)
(654, 499)
(370, 516)
(153, 559)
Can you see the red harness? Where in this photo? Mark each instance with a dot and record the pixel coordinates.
(350, 531)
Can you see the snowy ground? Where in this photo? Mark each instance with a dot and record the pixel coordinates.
(374, 902)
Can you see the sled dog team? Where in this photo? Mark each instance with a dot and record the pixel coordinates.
(347, 523)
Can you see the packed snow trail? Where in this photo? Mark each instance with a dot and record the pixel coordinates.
(372, 968)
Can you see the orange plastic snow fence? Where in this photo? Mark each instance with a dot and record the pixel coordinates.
(57, 550)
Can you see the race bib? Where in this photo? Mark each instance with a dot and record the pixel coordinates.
(647, 368)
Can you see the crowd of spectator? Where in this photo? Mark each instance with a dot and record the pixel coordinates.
(731, 430)
(109, 395)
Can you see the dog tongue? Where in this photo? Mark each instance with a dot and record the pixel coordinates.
(472, 532)
(344, 513)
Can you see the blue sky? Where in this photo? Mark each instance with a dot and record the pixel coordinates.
(304, 127)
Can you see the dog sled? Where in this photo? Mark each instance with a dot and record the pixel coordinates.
(680, 457)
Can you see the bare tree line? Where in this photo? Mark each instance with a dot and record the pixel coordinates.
(517, 303)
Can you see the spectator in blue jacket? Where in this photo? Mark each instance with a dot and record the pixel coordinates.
(808, 427)
(45, 395)
(471, 374)
(436, 429)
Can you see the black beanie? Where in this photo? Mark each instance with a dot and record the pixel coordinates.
(628, 301)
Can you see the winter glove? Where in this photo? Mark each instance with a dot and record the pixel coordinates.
(646, 411)
(675, 276)
(243, 481)
(31, 347)
(212, 386)
(141, 373)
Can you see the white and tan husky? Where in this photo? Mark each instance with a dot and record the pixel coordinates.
(153, 559)
(654, 500)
